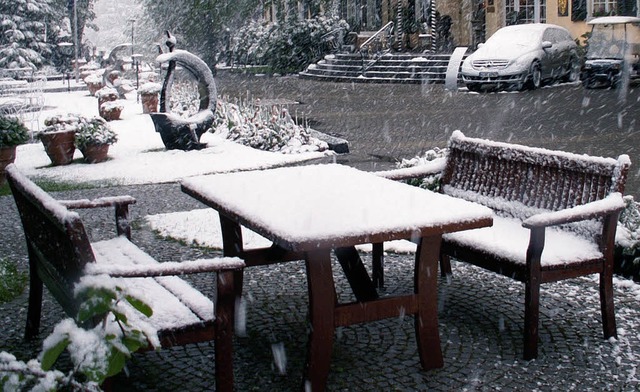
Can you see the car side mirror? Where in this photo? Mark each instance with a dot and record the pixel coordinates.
(546, 44)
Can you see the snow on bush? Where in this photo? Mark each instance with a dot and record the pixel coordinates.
(96, 353)
(269, 128)
(431, 182)
(287, 47)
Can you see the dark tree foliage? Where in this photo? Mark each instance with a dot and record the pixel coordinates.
(201, 26)
(28, 31)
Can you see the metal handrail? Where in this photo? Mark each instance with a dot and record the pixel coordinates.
(382, 38)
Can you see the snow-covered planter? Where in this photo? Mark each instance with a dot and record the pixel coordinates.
(94, 83)
(106, 94)
(110, 110)
(149, 97)
(93, 138)
(58, 138)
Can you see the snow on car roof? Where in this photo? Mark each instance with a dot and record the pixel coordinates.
(614, 20)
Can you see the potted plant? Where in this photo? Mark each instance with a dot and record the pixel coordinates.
(106, 94)
(149, 97)
(58, 138)
(93, 138)
(94, 83)
(13, 132)
(111, 110)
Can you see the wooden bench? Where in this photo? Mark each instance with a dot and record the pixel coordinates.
(60, 254)
(556, 217)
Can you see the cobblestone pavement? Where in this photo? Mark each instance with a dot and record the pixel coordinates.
(481, 318)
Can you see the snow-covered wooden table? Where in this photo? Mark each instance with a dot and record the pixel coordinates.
(307, 211)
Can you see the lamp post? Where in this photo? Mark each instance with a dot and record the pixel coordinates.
(136, 63)
(64, 49)
(75, 36)
(133, 24)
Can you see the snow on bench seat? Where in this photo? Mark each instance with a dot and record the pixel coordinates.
(508, 240)
(174, 302)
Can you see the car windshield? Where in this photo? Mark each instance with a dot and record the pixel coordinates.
(607, 41)
(511, 37)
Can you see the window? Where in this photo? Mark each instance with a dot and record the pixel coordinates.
(525, 11)
(604, 7)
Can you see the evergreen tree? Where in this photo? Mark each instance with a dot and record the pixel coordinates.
(25, 29)
(201, 26)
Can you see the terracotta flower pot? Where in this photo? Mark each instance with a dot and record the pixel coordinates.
(95, 153)
(94, 87)
(7, 156)
(106, 98)
(59, 146)
(149, 103)
(111, 114)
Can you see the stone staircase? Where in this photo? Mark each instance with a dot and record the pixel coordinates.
(389, 68)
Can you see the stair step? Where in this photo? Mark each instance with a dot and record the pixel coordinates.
(389, 68)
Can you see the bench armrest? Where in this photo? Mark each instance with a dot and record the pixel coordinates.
(432, 167)
(613, 203)
(109, 201)
(165, 269)
(121, 204)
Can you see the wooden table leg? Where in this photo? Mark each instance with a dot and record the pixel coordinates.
(356, 274)
(232, 247)
(426, 288)
(322, 303)
(377, 265)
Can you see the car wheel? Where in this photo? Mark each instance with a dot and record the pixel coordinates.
(535, 76)
(573, 71)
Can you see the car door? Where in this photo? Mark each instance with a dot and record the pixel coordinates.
(551, 63)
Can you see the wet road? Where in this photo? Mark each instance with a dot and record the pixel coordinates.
(387, 122)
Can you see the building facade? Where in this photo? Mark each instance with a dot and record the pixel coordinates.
(474, 20)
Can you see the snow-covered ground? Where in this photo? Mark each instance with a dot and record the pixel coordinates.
(139, 157)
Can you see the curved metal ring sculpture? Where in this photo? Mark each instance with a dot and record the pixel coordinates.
(114, 63)
(177, 132)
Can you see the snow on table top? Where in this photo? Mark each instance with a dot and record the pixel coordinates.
(330, 204)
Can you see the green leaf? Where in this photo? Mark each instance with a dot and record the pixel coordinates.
(140, 305)
(120, 316)
(50, 356)
(117, 361)
(134, 341)
(98, 302)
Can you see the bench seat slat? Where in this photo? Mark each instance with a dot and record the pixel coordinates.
(509, 240)
(175, 303)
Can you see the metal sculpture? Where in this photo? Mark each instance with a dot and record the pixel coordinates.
(177, 132)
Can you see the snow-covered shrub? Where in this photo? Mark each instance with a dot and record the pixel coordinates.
(184, 99)
(96, 353)
(12, 281)
(94, 131)
(269, 128)
(628, 239)
(431, 182)
(285, 48)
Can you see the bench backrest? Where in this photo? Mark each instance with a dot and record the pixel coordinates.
(57, 243)
(519, 181)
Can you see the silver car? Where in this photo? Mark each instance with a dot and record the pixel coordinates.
(522, 56)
